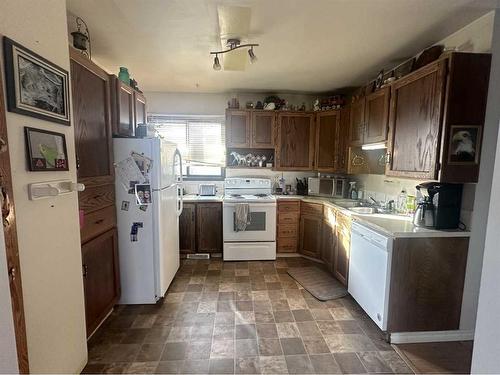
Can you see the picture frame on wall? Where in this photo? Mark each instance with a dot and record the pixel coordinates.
(35, 86)
(464, 146)
(45, 150)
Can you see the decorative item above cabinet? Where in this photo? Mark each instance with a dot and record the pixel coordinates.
(436, 119)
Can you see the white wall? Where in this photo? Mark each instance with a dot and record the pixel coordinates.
(8, 353)
(48, 230)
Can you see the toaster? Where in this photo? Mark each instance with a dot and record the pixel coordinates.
(207, 189)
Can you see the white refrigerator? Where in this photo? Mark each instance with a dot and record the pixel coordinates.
(148, 235)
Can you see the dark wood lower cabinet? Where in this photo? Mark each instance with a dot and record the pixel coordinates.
(342, 248)
(200, 228)
(187, 229)
(328, 243)
(209, 227)
(310, 235)
(101, 277)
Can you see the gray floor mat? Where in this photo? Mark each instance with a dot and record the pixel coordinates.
(319, 283)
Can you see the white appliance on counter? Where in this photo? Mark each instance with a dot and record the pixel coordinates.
(258, 240)
(370, 272)
(150, 258)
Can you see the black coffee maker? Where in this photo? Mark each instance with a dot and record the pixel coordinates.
(444, 200)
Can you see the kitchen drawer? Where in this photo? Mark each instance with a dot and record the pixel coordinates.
(96, 197)
(288, 230)
(97, 222)
(314, 209)
(288, 217)
(287, 245)
(288, 206)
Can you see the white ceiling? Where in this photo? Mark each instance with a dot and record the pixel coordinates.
(305, 46)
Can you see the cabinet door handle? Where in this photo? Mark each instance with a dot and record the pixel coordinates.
(85, 270)
(12, 274)
(388, 157)
(99, 221)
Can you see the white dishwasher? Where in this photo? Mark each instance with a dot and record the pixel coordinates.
(370, 271)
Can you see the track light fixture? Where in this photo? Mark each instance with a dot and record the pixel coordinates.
(253, 58)
(233, 44)
(217, 63)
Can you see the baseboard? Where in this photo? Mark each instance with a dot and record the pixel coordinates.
(431, 336)
(288, 255)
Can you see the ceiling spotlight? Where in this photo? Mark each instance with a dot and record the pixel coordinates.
(234, 44)
(253, 58)
(217, 63)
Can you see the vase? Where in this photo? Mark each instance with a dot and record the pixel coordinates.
(124, 75)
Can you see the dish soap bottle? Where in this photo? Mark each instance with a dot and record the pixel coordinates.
(353, 193)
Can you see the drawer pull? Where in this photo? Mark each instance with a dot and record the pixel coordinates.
(97, 196)
(99, 221)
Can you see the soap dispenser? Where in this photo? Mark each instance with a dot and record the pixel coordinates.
(353, 193)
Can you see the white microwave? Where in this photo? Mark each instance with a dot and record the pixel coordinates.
(332, 187)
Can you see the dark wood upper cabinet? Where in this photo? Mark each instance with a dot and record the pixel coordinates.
(140, 109)
(238, 128)
(101, 278)
(92, 120)
(376, 116)
(295, 141)
(357, 122)
(326, 155)
(262, 129)
(123, 108)
(342, 141)
(209, 227)
(415, 123)
(431, 110)
(187, 229)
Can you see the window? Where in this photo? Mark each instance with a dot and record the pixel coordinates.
(200, 141)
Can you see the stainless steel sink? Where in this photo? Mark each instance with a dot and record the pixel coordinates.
(364, 210)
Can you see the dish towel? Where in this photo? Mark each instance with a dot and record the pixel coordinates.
(241, 217)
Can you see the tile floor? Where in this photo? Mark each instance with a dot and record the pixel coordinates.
(241, 318)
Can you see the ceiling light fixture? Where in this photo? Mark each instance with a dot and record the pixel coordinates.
(253, 58)
(217, 63)
(233, 44)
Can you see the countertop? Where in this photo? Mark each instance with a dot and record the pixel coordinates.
(193, 198)
(397, 226)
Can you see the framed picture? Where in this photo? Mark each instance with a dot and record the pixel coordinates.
(464, 144)
(35, 86)
(46, 151)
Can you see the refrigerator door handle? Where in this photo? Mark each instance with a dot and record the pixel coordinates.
(180, 201)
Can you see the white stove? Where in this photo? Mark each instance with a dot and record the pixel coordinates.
(258, 240)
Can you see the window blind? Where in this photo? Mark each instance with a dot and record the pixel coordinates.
(200, 139)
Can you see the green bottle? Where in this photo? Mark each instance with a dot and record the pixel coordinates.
(124, 75)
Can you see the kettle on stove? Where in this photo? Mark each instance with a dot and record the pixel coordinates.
(424, 214)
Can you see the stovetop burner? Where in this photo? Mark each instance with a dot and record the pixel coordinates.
(235, 195)
(261, 195)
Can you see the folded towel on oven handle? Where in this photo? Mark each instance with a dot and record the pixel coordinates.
(241, 217)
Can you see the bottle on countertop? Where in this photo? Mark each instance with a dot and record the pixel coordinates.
(353, 192)
(282, 184)
(401, 203)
